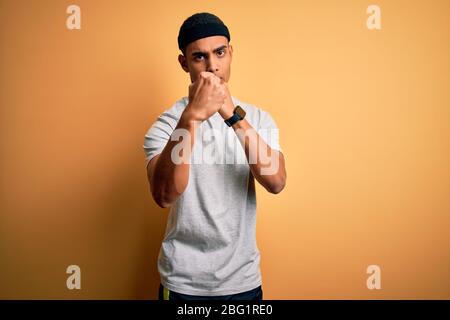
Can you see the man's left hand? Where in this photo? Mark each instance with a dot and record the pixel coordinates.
(228, 107)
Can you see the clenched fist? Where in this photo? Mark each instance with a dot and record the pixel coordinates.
(207, 95)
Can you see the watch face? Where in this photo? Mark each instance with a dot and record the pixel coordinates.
(240, 112)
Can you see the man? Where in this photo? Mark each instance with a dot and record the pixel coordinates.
(193, 149)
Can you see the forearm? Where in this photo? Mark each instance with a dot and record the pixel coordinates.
(171, 172)
(266, 164)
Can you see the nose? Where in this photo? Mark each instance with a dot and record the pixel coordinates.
(213, 65)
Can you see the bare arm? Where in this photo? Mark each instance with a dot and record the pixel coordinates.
(168, 172)
(266, 164)
(168, 179)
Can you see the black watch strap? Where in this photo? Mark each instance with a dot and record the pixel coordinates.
(238, 114)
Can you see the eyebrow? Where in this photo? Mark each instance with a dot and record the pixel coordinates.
(198, 53)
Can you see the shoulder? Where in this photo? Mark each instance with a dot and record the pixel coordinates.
(177, 108)
(171, 115)
(257, 116)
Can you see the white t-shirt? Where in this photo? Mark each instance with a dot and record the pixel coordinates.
(209, 247)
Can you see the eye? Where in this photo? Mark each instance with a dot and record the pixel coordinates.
(220, 52)
(198, 58)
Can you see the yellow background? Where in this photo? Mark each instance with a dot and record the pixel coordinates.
(364, 124)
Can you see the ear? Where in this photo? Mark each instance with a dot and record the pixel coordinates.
(183, 62)
(231, 52)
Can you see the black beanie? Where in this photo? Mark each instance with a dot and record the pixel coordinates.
(201, 25)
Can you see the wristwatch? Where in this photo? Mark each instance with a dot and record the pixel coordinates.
(238, 114)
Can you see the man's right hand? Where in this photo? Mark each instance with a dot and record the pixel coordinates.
(206, 96)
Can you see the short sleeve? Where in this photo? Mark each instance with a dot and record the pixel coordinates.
(268, 131)
(159, 134)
